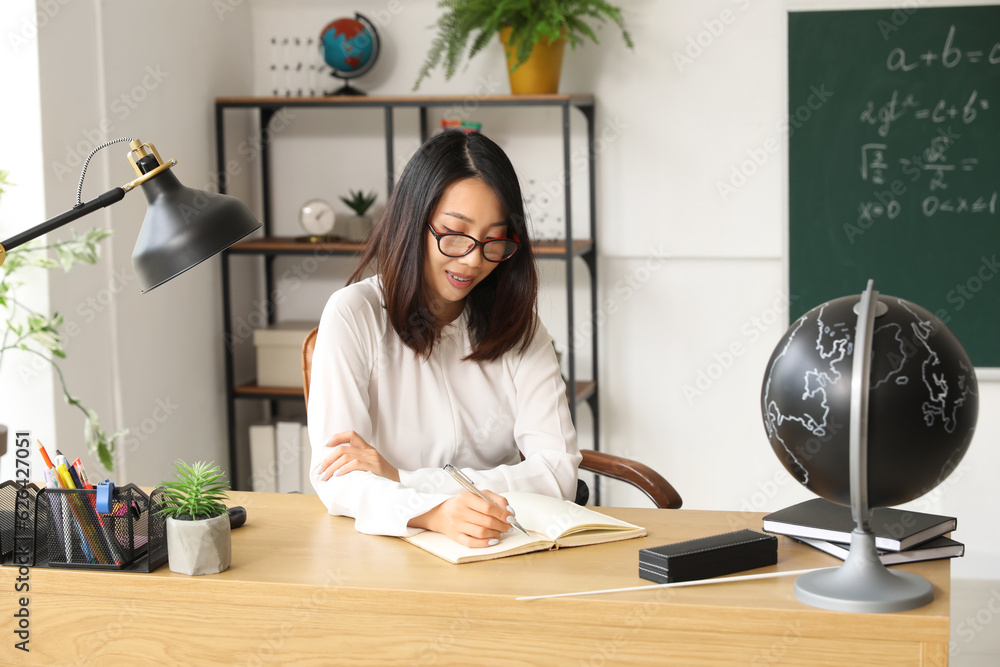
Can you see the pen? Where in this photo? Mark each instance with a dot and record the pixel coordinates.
(469, 486)
(68, 477)
(96, 526)
(60, 512)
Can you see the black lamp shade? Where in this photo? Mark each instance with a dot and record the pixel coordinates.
(183, 227)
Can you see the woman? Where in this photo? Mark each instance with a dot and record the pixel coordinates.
(440, 358)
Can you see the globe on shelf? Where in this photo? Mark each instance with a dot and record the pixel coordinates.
(350, 46)
(923, 401)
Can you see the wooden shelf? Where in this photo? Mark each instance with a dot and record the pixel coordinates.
(393, 109)
(584, 388)
(288, 245)
(578, 100)
(254, 390)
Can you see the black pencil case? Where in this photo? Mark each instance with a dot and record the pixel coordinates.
(708, 557)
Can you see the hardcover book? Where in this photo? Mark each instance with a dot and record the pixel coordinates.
(895, 529)
(551, 523)
(939, 547)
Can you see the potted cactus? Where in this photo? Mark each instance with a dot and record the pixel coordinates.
(199, 540)
(356, 227)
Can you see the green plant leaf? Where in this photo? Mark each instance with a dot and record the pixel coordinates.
(40, 334)
(197, 491)
(530, 20)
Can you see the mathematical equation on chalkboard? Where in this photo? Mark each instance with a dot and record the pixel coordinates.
(941, 162)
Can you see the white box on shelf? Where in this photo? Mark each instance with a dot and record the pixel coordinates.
(279, 353)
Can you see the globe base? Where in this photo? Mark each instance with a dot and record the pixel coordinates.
(863, 584)
(346, 89)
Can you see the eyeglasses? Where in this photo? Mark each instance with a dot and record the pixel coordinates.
(459, 245)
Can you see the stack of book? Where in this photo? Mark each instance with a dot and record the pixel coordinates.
(901, 536)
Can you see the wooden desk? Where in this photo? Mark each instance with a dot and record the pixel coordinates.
(306, 589)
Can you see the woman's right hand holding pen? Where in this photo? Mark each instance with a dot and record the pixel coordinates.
(468, 519)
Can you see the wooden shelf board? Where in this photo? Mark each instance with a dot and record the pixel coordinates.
(289, 245)
(254, 390)
(581, 99)
(584, 388)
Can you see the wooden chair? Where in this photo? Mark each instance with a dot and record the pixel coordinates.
(638, 475)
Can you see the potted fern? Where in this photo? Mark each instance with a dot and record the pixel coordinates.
(534, 34)
(199, 540)
(357, 227)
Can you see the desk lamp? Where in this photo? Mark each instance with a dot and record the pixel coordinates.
(182, 228)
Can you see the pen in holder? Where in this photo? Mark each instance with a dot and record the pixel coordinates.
(74, 531)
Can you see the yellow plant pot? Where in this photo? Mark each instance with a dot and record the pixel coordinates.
(539, 74)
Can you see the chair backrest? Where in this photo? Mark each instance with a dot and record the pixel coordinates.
(307, 358)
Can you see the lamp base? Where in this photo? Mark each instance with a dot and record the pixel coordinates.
(863, 584)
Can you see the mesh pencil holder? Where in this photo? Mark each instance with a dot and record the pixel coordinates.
(71, 533)
(17, 523)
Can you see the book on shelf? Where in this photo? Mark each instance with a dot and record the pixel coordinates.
(895, 529)
(262, 462)
(279, 457)
(938, 547)
(288, 451)
(551, 523)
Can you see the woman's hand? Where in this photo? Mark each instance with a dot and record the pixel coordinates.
(350, 452)
(468, 519)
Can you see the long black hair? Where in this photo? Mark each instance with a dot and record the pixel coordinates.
(502, 308)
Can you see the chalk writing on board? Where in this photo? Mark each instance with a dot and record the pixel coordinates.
(940, 111)
(936, 167)
(950, 56)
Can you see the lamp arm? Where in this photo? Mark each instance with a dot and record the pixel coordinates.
(110, 197)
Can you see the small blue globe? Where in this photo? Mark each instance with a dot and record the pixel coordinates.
(348, 46)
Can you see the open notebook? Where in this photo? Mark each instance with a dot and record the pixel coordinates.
(551, 523)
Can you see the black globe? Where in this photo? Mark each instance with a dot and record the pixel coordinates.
(923, 401)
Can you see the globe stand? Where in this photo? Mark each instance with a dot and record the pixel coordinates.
(346, 89)
(862, 584)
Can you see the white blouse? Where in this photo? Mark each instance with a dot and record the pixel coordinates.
(421, 413)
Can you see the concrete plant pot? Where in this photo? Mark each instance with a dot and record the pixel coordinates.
(199, 547)
(354, 228)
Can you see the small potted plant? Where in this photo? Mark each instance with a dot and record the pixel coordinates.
(534, 35)
(356, 227)
(198, 533)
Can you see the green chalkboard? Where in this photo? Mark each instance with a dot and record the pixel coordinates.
(894, 162)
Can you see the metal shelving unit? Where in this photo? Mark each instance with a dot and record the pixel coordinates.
(270, 247)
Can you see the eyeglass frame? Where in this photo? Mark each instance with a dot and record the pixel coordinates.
(476, 243)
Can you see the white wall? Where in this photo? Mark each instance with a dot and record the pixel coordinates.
(152, 363)
(683, 274)
(25, 380)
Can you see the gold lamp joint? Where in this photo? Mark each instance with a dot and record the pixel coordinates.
(140, 150)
